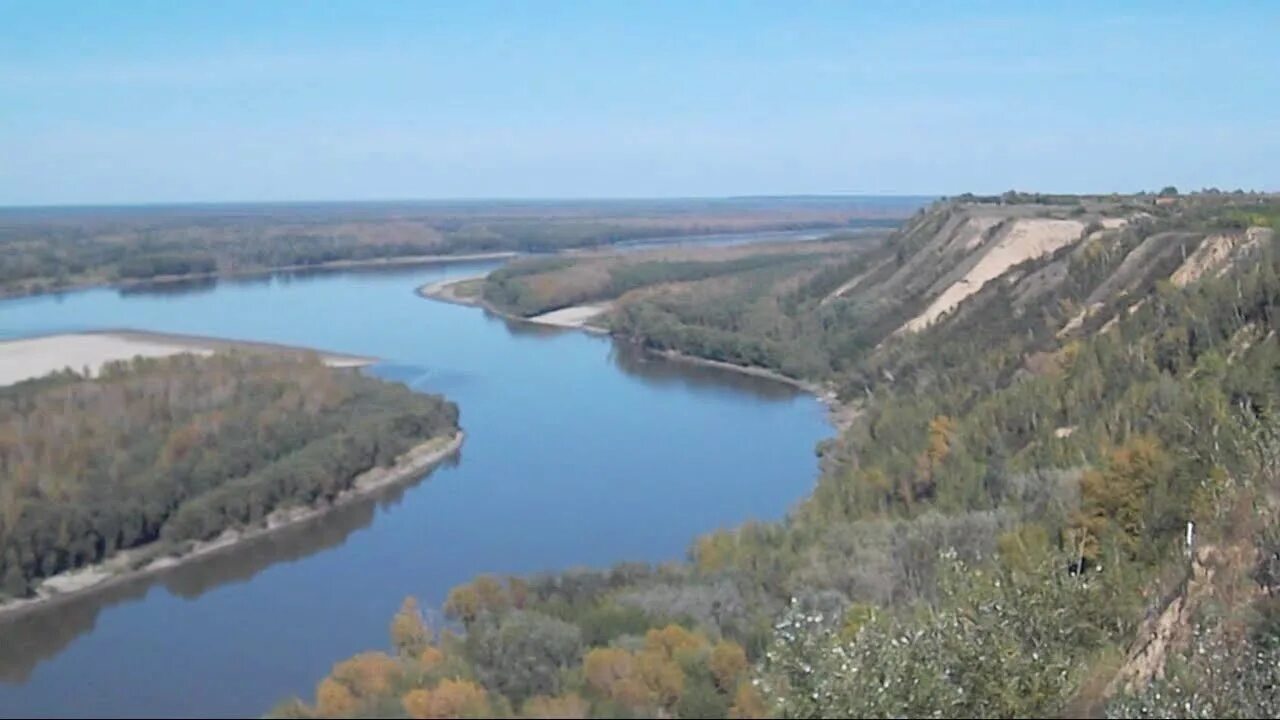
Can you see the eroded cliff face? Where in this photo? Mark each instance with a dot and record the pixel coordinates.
(955, 256)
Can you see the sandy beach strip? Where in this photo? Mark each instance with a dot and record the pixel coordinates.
(27, 358)
(576, 316)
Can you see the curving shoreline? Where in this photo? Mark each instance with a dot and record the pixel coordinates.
(148, 559)
(444, 291)
(332, 266)
(840, 414)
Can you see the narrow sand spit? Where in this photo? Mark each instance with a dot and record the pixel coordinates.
(35, 357)
(574, 317)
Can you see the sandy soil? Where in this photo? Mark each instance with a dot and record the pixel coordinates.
(35, 357)
(1027, 239)
(1216, 253)
(446, 290)
(574, 317)
(137, 562)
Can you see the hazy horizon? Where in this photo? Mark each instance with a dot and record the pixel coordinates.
(355, 102)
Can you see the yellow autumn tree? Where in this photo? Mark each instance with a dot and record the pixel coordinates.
(748, 703)
(334, 700)
(367, 674)
(728, 662)
(449, 699)
(491, 593)
(431, 658)
(417, 703)
(606, 668)
(941, 430)
(484, 594)
(570, 706)
(937, 447)
(518, 592)
(672, 639)
(409, 634)
(462, 603)
(661, 676)
(714, 551)
(1112, 499)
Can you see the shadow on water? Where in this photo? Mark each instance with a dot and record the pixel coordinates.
(658, 371)
(32, 638)
(171, 288)
(184, 287)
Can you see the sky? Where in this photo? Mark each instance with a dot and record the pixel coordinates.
(156, 102)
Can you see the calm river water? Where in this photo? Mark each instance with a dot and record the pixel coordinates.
(578, 453)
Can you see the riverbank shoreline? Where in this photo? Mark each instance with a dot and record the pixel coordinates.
(839, 414)
(443, 290)
(332, 266)
(147, 560)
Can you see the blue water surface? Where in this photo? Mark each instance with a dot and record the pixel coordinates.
(578, 453)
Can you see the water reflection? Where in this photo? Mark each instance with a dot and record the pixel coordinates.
(171, 288)
(43, 633)
(574, 446)
(657, 371)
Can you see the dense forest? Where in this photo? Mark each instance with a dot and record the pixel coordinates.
(1001, 531)
(47, 249)
(530, 287)
(160, 452)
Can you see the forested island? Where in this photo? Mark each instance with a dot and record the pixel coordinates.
(153, 458)
(1057, 496)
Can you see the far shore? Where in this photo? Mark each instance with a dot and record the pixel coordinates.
(334, 265)
(32, 357)
(839, 414)
(149, 559)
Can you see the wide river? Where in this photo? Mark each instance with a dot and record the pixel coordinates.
(578, 453)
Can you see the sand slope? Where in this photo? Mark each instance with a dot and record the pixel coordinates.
(1026, 239)
(575, 316)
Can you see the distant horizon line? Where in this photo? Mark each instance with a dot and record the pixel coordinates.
(572, 199)
(473, 199)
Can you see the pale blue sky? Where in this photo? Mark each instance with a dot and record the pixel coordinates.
(124, 102)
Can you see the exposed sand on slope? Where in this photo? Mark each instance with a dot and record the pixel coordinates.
(35, 357)
(575, 316)
(1026, 239)
(1215, 255)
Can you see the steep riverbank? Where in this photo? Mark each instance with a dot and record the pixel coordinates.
(152, 558)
